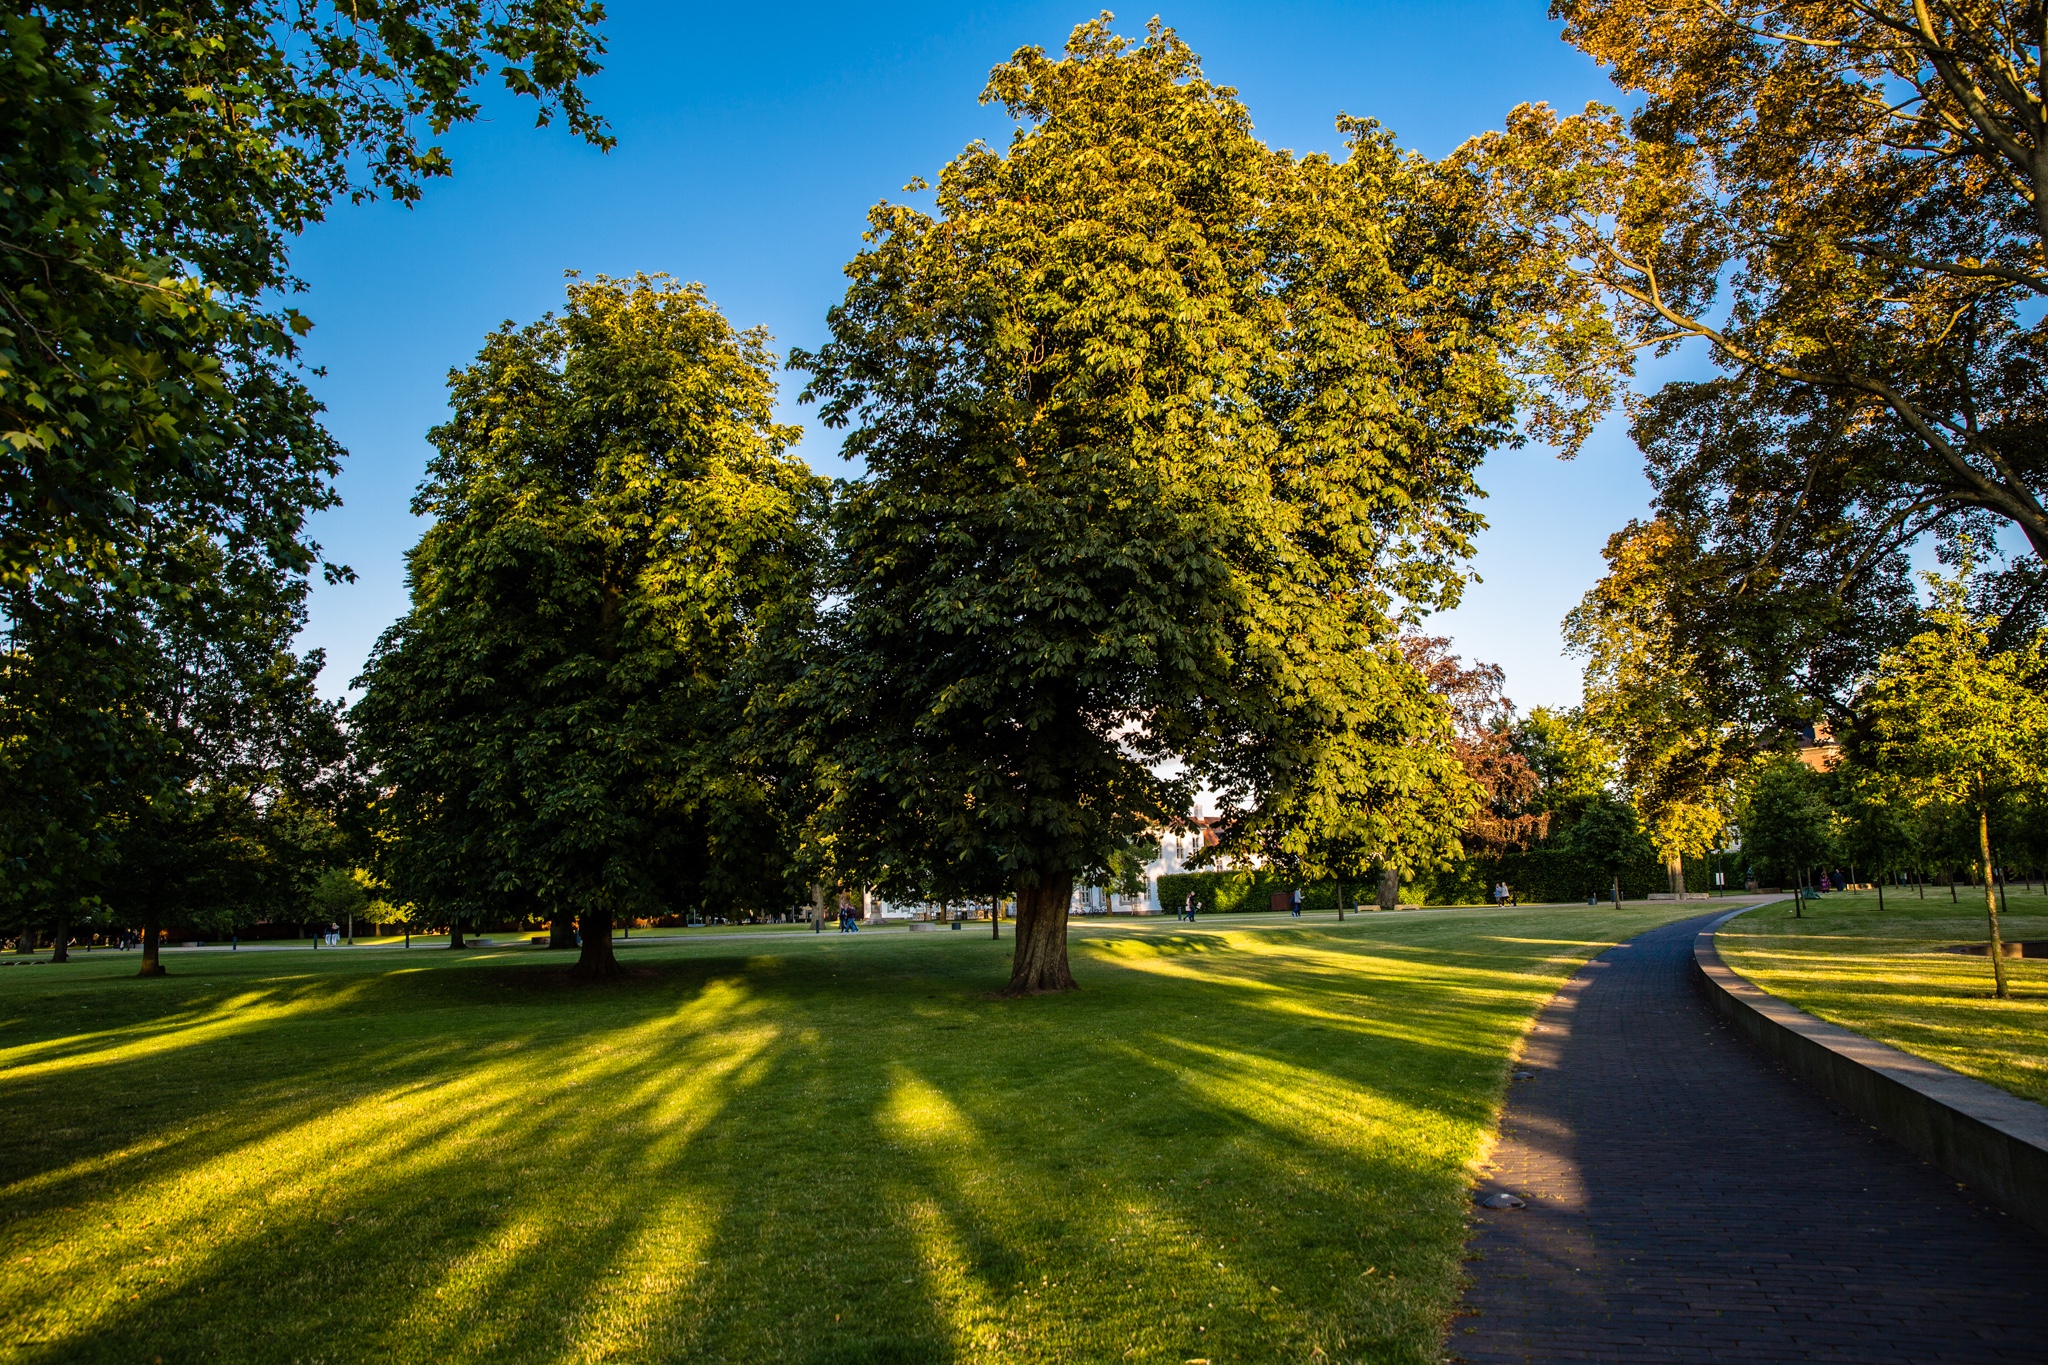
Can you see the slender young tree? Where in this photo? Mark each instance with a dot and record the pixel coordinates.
(1162, 430)
(618, 525)
(1606, 840)
(1965, 723)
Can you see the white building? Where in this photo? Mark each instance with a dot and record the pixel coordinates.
(1176, 850)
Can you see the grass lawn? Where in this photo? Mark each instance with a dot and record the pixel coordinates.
(1243, 1141)
(1880, 974)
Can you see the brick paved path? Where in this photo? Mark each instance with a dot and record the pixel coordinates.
(1689, 1201)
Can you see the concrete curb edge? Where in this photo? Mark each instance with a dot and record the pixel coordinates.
(1989, 1139)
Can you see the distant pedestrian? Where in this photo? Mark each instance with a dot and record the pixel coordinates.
(1500, 893)
(1294, 903)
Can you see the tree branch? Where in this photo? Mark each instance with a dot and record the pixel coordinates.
(1960, 269)
(2009, 499)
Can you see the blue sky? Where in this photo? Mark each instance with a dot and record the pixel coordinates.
(753, 139)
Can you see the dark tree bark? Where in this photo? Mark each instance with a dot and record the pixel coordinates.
(562, 931)
(597, 961)
(1038, 965)
(1390, 889)
(152, 963)
(60, 939)
(995, 917)
(455, 935)
(1991, 902)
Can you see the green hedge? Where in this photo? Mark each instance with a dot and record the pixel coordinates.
(1537, 875)
(1225, 892)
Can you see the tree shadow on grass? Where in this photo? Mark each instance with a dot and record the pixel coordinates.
(806, 1155)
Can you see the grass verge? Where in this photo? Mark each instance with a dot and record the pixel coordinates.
(1238, 1142)
(1883, 975)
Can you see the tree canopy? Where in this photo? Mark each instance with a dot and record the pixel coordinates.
(1647, 693)
(1846, 198)
(1844, 203)
(558, 723)
(157, 164)
(1786, 821)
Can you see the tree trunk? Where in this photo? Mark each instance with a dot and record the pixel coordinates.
(1340, 902)
(1617, 891)
(455, 935)
(1039, 963)
(152, 963)
(1674, 868)
(995, 917)
(562, 930)
(597, 962)
(60, 939)
(1390, 889)
(1991, 902)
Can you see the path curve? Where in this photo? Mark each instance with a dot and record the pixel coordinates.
(1690, 1201)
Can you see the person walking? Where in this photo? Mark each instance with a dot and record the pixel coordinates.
(1294, 904)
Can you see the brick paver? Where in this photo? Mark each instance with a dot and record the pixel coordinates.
(1689, 1201)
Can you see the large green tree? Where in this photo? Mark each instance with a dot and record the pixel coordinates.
(1162, 430)
(158, 448)
(558, 725)
(1965, 723)
(1843, 204)
(1843, 198)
